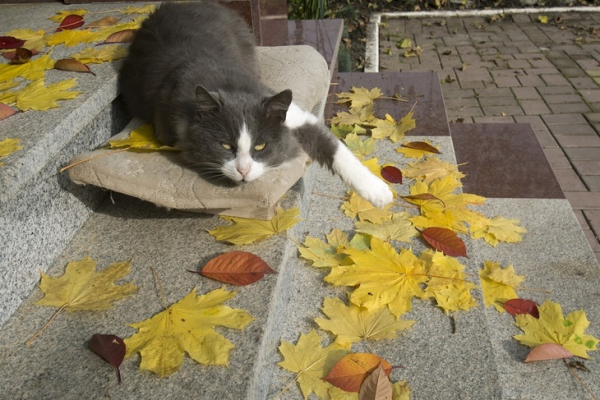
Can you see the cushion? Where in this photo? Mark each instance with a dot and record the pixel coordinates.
(157, 176)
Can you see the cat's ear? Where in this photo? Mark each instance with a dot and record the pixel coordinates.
(276, 107)
(207, 101)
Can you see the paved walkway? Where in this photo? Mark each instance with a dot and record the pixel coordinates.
(517, 69)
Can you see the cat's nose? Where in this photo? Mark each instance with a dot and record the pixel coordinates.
(243, 170)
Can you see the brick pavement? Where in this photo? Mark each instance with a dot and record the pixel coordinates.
(517, 69)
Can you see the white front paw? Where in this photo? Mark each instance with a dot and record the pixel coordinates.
(374, 190)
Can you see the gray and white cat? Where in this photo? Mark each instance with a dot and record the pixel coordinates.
(192, 72)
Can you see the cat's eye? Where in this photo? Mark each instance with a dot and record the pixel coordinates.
(259, 147)
(226, 146)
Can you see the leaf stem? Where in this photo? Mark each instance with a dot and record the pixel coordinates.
(92, 158)
(579, 379)
(160, 288)
(286, 387)
(27, 343)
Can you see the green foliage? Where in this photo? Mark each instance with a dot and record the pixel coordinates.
(307, 9)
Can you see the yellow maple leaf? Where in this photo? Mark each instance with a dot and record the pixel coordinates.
(497, 229)
(398, 227)
(325, 255)
(430, 169)
(98, 55)
(414, 153)
(71, 37)
(34, 40)
(8, 85)
(31, 70)
(141, 138)
(187, 327)
(498, 284)
(311, 362)
(552, 327)
(341, 131)
(359, 97)
(357, 206)
(248, 230)
(384, 277)
(352, 324)
(9, 146)
(36, 96)
(543, 19)
(147, 9)
(360, 148)
(59, 16)
(81, 287)
(392, 129)
(356, 116)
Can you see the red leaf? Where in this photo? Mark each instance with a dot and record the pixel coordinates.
(238, 268)
(350, 372)
(521, 306)
(70, 22)
(9, 42)
(6, 111)
(423, 146)
(68, 64)
(445, 240)
(123, 36)
(110, 348)
(391, 174)
(548, 351)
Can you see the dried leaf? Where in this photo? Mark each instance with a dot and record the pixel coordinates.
(398, 227)
(110, 348)
(19, 56)
(376, 386)
(72, 38)
(141, 138)
(543, 19)
(417, 149)
(446, 241)
(248, 230)
(404, 43)
(350, 372)
(68, 64)
(9, 146)
(359, 147)
(32, 70)
(357, 206)
(98, 55)
(548, 351)
(359, 97)
(10, 42)
(391, 174)
(71, 21)
(187, 326)
(36, 96)
(498, 284)
(59, 16)
(497, 229)
(103, 22)
(325, 255)
(417, 198)
(123, 36)
(430, 169)
(392, 129)
(238, 268)
(521, 306)
(5, 112)
(147, 9)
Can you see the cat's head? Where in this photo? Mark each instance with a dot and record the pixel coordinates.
(237, 137)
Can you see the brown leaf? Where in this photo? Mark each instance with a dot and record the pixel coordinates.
(377, 386)
(423, 196)
(445, 240)
(123, 36)
(68, 64)
(350, 372)
(548, 351)
(521, 306)
(70, 22)
(110, 348)
(238, 268)
(391, 174)
(423, 146)
(10, 55)
(6, 111)
(21, 56)
(101, 23)
(10, 42)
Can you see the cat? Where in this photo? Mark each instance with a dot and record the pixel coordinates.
(192, 72)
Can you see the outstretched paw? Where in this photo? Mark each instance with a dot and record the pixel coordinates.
(376, 191)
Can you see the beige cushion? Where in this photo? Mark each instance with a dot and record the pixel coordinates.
(158, 178)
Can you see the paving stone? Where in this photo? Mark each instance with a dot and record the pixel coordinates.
(587, 167)
(526, 93)
(476, 84)
(534, 107)
(593, 183)
(555, 80)
(493, 92)
(574, 73)
(583, 153)
(579, 141)
(494, 119)
(502, 110)
(531, 80)
(550, 90)
(592, 96)
(507, 81)
(497, 101)
(534, 120)
(562, 98)
(584, 200)
(575, 129)
(570, 108)
(569, 180)
(557, 159)
(584, 83)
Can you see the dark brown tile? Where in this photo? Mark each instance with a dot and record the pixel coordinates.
(503, 161)
(422, 88)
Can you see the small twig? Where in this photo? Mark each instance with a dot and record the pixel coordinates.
(331, 196)
(579, 379)
(27, 343)
(93, 158)
(535, 290)
(162, 294)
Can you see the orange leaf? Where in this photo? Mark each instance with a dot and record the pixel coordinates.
(123, 36)
(70, 22)
(423, 146)
(521, 306)
(101, 23)
(445, 240)
(20, 54)
(548, 351)
(391, 174)
(351, 371)
(238, 268)
(68, 64)
(6, 111)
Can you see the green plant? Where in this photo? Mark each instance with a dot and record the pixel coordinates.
(307, 9)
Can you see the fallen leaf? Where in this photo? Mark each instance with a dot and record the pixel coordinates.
(355, 116)
(413, 52)
(98, 55)
(341, 131)
(400, 391)
(430, 169)
(5, 112)
(446, 241)
(422, 197)
(71, 21)
(391, 174)
(350, 372)
(141, 138)
(498, 284)
(32, 70)
(390, 128)
(359, 97)
(382, 276)
(398, 227)
(10, 42)
(34, 40)
(123, 36)
(248, 230)
(238, 268)
(310, 362)
(59, 16)
(325, 255)
(356, 206)
(68, 64)
(103, 22)
(417, 149)
(552, 327)
(376, 386)
(9, 146)
(71, 38)
(352, 324)
(147, 9)
(548, 351)
(19, 56)
(36, 96)
(521, 306)
(543, 19)
(110, 348)
(497, 229)
(360, 148)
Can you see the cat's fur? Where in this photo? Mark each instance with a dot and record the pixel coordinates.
(191, 71)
